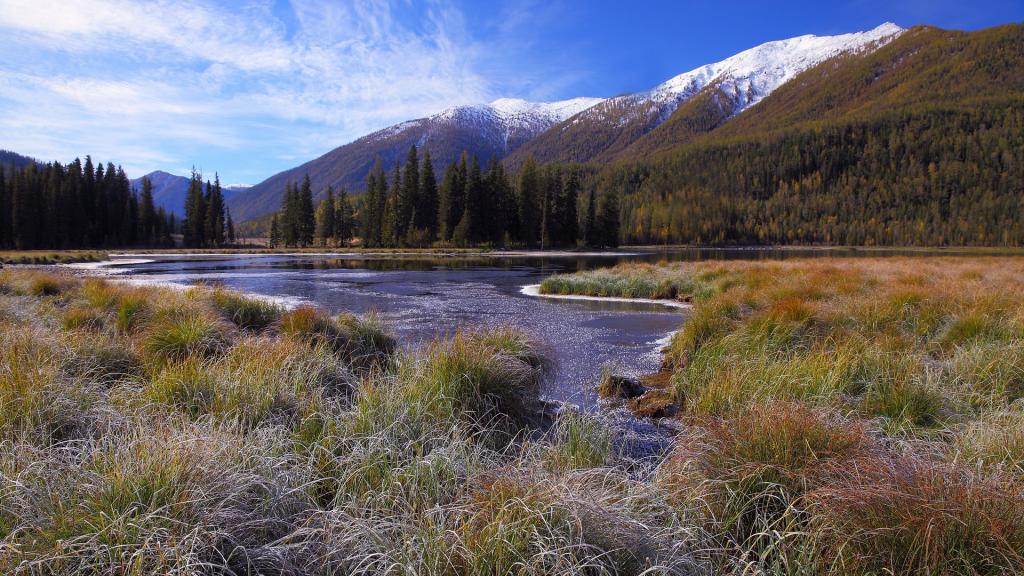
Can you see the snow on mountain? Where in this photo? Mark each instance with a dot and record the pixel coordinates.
(753, 74)
(504, 121)
(577, 130)
(748, 76)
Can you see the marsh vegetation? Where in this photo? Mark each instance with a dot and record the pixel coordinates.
(845, 416)
(835, 417)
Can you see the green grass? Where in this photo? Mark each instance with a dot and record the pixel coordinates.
(246, 313)
(37, 257)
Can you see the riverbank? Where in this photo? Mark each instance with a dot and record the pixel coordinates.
(156, 431)
(862, 412)
(534, 290)
(46, 257)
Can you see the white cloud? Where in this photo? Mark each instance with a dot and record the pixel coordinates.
(158, 83)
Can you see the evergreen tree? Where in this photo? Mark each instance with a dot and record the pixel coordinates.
(275, 231)
(427, 206)
(306, 214)
(393, 220)
(473, 209)
(343, 221)
(375, 206)
(147, 216)
(449, 213)
(407, 195)
(214, 217)
(325, 224)
(570, 201)
(289, 220)
(529, 203)
(545, 221)
(5, 212)
(608, 220)
(590, 231)
(193, 227)
(369, 212)
(230, 227)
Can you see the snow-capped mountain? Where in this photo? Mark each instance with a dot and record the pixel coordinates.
(739, 82)
(502, 122)
(486, 130)
(753, 74)
(579, 129)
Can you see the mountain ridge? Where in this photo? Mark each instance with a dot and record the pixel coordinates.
(511, 129)
(487, 130)
(169, 190)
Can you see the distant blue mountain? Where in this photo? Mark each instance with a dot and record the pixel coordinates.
(8, 158)
(169, 191)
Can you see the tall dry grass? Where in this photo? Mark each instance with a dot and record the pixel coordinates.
(145, 431)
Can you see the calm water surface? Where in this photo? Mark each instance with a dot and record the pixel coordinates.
(423, 297)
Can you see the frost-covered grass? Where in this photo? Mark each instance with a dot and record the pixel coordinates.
(847, 416)
(149, 431)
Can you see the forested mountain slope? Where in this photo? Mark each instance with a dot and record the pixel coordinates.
(705, 96)
(10, 159)
(490, 130)
(919, 142)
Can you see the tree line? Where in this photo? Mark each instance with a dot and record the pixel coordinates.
(541, 207)
(207, 220)
(927, 175)
(78, 205)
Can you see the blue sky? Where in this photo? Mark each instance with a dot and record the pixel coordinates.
(249, 88)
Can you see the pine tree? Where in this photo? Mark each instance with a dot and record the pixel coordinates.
(5, 212)
(393, 220)
(214, 217)
(529, 203)
(448, 214)
(307, 214)
(545, 221)
(570, 200)
(590, 232)
(474, 203)
(147, 216)
(195, 213)
(369, 211)
(407, 196)
(275, 232)
(343, 221)
(427, 207)
(87, 203)
(375, 206)
(289, 217)
(230, 227)
(608, 220)
(325, 232)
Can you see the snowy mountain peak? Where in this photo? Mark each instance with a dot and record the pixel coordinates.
(557, 111)
(503, 121)
(518, 113)
(753, 74)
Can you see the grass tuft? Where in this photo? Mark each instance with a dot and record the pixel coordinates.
(181, 334)
(245, 312)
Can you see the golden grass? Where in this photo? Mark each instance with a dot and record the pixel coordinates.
(836, 417)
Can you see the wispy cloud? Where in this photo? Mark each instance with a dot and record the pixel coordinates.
(168, 84)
